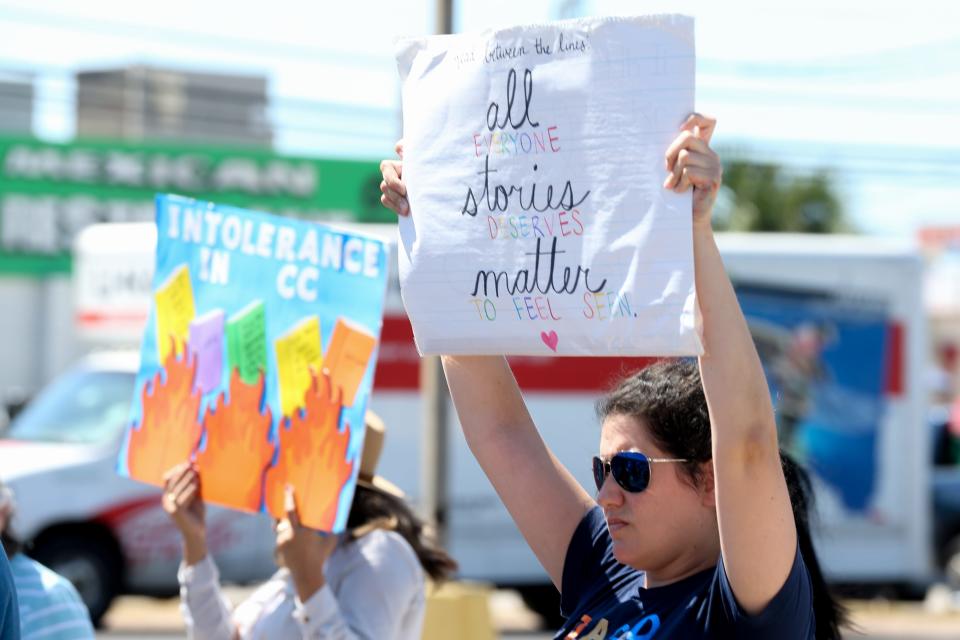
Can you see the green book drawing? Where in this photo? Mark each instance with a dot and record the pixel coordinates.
(247, 341)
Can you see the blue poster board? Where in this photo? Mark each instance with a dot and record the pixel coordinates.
(258, 358)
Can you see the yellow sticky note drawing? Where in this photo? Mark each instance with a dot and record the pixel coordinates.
(298, 351)
(175, 311)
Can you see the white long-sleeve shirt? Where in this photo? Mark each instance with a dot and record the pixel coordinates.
(374, 590)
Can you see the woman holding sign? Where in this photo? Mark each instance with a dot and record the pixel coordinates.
(698, 528)
(365, 583)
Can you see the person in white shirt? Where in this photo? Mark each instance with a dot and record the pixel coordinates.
(365, 583)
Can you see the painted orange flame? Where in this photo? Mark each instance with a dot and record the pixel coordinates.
(169, 430)
(237, 449)
(312, 459)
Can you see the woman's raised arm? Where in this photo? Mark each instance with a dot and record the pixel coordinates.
(542, 496)
(757, 534)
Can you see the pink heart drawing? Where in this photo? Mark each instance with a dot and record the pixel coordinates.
(550, 339)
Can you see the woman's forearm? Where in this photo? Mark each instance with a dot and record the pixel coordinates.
(485, 394)
(194, 549)
(307, 583)
(544, 499)
(206, 613)
(733, 378)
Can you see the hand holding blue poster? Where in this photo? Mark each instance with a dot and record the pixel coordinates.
(258, 358)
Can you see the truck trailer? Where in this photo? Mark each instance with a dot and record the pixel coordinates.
(838, 322)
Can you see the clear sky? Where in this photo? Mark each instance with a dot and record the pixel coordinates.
(868, 89)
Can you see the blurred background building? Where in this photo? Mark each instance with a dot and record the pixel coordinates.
(16, 102)
(139, 130)
(149, 103)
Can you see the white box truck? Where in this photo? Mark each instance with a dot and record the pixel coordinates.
(838, 321)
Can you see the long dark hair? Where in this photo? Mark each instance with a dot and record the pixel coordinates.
(374, 509)
(830, 614)
(668, 396)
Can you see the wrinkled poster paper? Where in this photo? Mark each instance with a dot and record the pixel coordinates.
(534, 161)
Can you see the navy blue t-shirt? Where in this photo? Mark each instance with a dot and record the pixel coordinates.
(605, 600)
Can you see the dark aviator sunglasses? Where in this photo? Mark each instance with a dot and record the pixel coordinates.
(631, 469)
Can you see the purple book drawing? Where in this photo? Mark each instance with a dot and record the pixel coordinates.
(206, 347)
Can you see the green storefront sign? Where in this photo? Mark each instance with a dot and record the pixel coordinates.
(49, 192)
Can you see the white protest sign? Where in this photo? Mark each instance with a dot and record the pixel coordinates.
(534, 163)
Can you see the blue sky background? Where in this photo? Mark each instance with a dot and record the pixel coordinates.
(870, 90)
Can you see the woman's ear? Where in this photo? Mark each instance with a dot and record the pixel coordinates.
(708, 485)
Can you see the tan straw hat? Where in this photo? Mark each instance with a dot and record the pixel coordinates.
(370, 456)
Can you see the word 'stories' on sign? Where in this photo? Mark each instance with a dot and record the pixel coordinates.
(534, 163)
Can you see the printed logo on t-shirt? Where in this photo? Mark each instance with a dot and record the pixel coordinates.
(644, 629)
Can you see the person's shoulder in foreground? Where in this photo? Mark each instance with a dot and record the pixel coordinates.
(9, 611)
(604, 599)
(49, 605)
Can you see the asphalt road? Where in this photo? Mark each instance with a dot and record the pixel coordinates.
(128, 635)
(944, 635)
(145, 618)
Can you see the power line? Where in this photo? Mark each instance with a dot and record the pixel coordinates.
(68, 80)
(886, 102)
(197, 39)
(915, 61)
(921, 165)
(877, 160)
(897, 159)
(212, 100)
(918, 165)
(893, 153)
(919, 60)
(200, 94)
(813, 97)
(387, 117)
(340, 129)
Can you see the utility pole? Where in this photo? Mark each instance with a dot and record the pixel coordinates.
(444, 16)
(433, 389)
